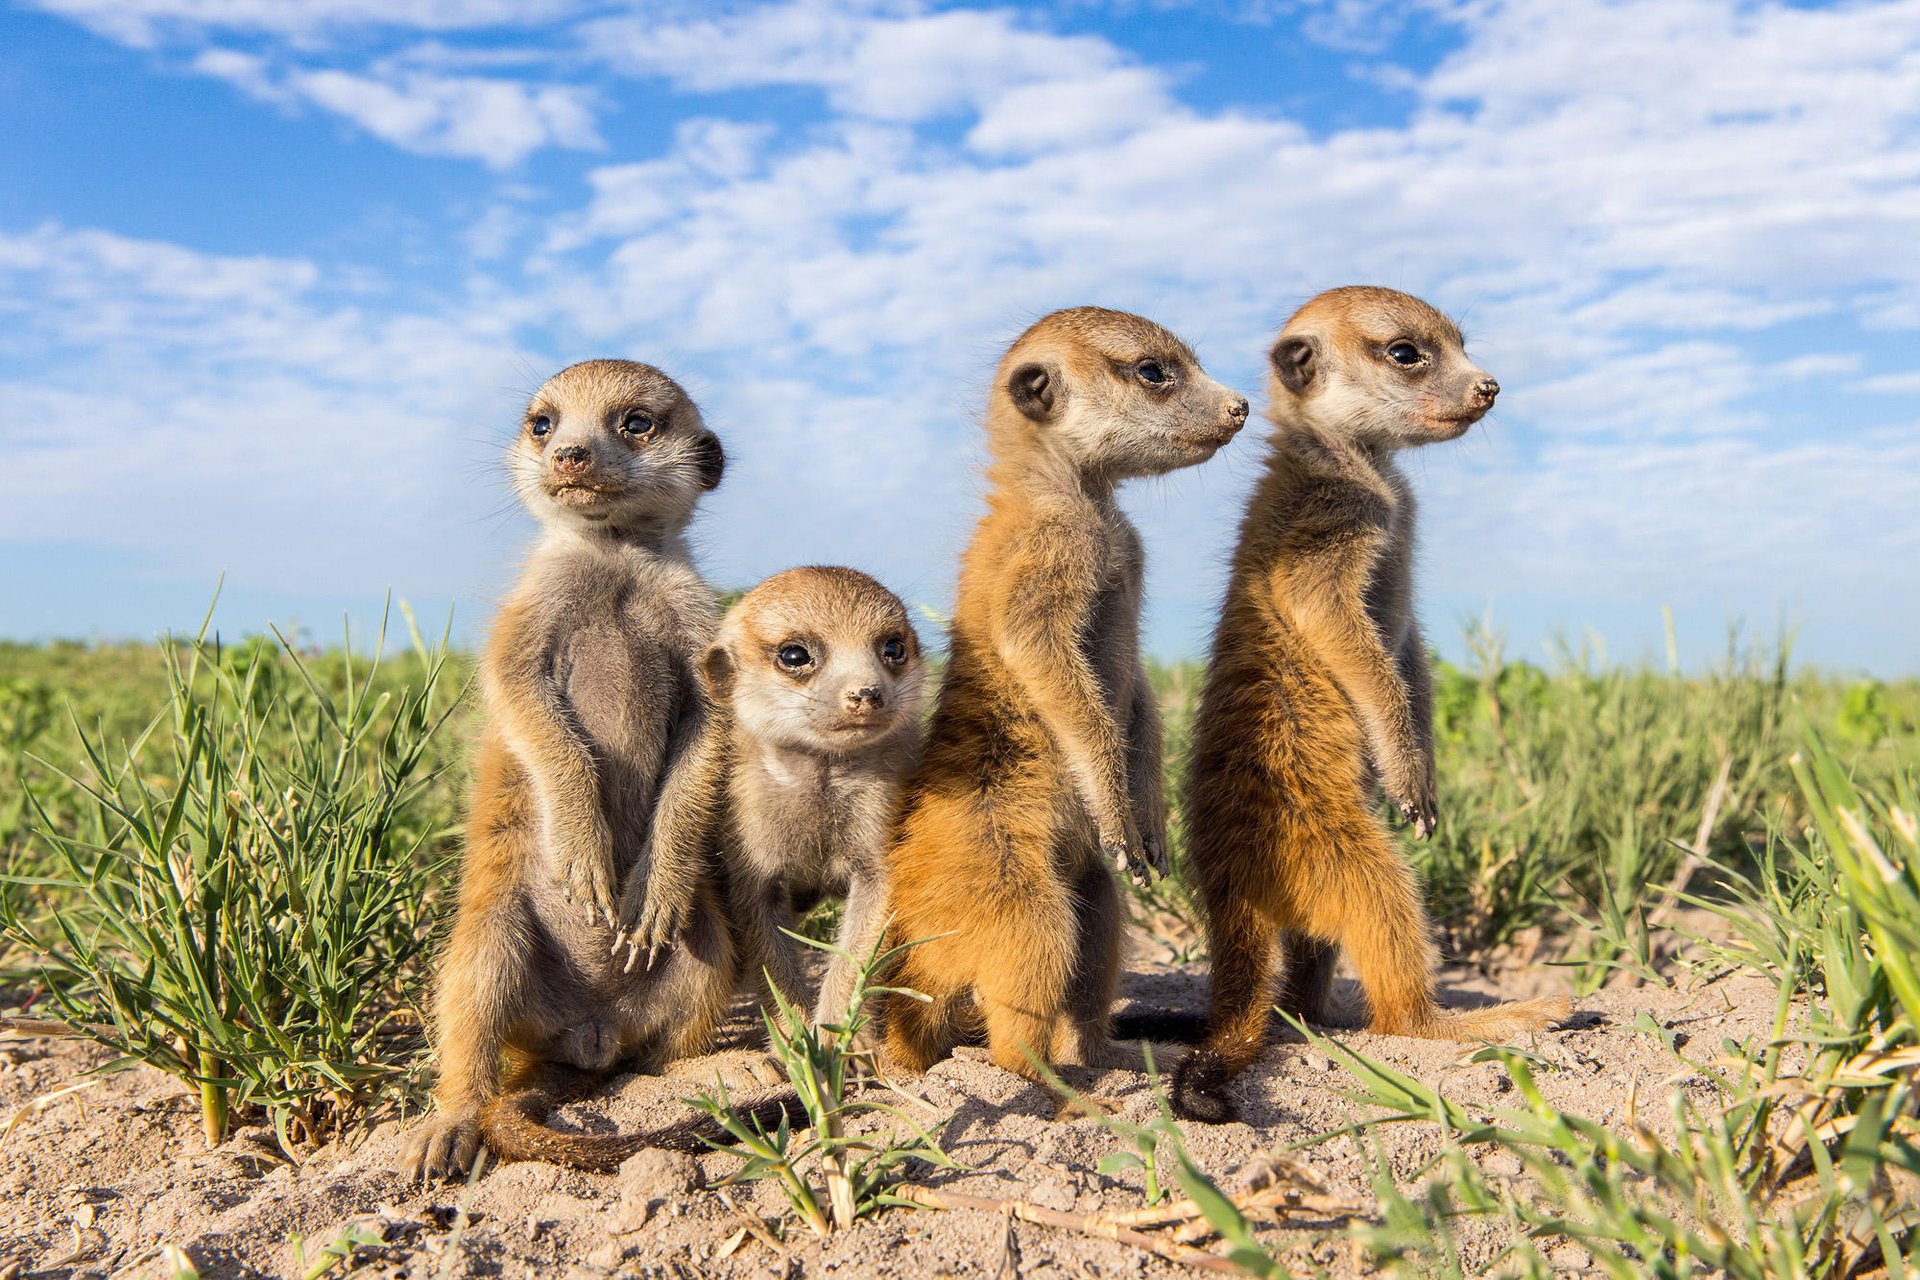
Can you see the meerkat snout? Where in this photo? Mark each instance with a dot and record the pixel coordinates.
(1484, 392)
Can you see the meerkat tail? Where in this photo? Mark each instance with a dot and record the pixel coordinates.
(1199, 1089)
(1496, 1023)
(515, 1128)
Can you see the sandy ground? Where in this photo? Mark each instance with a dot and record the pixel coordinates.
(95, 1181)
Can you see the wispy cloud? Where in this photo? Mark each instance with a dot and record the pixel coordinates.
(494, 120)
(1632, 202)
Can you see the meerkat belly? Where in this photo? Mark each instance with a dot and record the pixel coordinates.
(1273, 712)
(625, 692)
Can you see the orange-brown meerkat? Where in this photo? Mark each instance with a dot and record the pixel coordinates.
(820, 672)
(1041, 772)
(593, 804)
(1318, 696)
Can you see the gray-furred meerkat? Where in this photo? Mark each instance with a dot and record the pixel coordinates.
(1041, 772)
(591, 815)
(1318, 696)
(820, 672)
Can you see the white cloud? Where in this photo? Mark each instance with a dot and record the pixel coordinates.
(497, 121)
(1626, 199)
(143, 22)
(1896, 384)
(221, 412)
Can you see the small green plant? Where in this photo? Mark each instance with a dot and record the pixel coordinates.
(856, 1172)
(243, 901)
(335, 1253)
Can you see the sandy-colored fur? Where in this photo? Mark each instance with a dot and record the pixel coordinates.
(1042, 765)
(818, 757)
(591, 816)
(1318, 697)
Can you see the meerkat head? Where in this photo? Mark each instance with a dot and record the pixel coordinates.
(820, 659)
(1377, 366)
(1114, 394)
(614, 444)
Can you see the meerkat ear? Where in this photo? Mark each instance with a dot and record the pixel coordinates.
(1296, 361)
(1032, 389)
(712, 459)
(716, 672)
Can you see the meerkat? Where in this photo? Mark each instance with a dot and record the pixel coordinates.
(1042, 766)
(1318, 696)
(819, 670)
(592, 808)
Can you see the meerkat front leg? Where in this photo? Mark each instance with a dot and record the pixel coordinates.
(1146, 778)
(1346, 639)
(1038, 640)
(862, 922)
(1416, 672)
(764, 912)
(660, 889)
(525, 698)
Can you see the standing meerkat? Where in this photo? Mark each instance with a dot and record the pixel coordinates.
(593, 802)
(1318, 695)
(820, 672)
(1042, 766)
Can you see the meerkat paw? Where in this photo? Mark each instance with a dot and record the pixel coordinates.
(588, 880)
(1126, 853)
(441, 1146)
(652, 913)
(1158, 859)
(1415, 794)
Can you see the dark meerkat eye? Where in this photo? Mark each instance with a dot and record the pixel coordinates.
(793, 657)
(540, 426)
(1404, 353)
(893, 650)
(1151, 373)
(637, 423)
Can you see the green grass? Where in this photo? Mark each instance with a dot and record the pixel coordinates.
(1801, 1174)
(228, 873)
(230, 861)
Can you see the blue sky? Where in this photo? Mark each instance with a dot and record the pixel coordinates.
(276, 275)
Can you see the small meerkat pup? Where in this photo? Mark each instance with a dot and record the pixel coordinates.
(1318, 696)
(1042, 766)
(594, 799)
(820, 672)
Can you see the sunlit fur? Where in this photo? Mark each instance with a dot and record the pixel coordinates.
(592, 808)
(1042, 764)
(1318, 697)
(818, 758)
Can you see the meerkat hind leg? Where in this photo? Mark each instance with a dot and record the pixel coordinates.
(1083, 1035)
(1306, 978)
(1373, 910)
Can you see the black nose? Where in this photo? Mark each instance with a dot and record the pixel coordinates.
(1485, 390)
(573, 456)
(1238, 410)
(868, 697)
